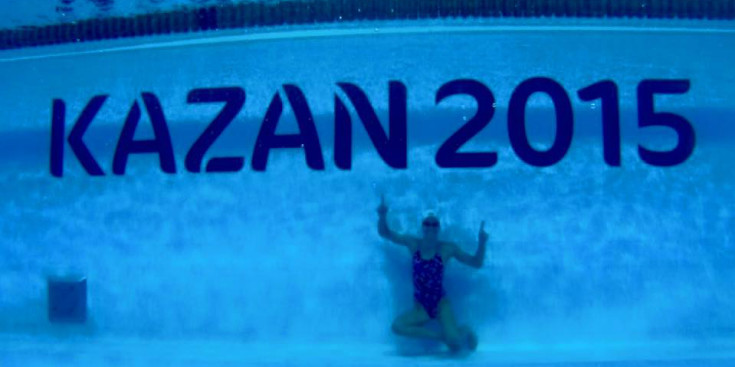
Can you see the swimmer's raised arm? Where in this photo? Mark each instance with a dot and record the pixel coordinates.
(386, 232)
(478, 258)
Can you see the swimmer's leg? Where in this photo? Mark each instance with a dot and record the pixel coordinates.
(454, 336)
(411, 322)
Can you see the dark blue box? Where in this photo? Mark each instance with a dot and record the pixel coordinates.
(67, 300)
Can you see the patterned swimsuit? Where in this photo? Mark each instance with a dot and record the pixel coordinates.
(427, 282)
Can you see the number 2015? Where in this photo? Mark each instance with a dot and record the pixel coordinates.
(606, 91)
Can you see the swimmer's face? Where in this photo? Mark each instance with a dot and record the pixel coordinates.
(430, 226)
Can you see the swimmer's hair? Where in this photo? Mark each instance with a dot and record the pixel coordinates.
(430, 220)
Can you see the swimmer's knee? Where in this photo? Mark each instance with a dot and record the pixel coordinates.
(397, 327)
(453, 342)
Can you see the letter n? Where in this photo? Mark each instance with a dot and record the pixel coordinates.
(392, 147)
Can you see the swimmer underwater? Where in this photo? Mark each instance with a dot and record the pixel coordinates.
(430, 256)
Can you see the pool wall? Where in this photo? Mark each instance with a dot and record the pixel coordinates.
(579, 251)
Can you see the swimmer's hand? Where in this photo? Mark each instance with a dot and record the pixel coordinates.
(482, 236)
(382, 208)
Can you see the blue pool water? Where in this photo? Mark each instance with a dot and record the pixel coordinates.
(586, 263)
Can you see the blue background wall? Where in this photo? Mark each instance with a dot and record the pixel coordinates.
(577, 251)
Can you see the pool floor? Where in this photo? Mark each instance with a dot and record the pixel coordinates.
(36, 351)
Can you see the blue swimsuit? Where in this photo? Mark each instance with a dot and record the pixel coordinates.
(427, 282)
